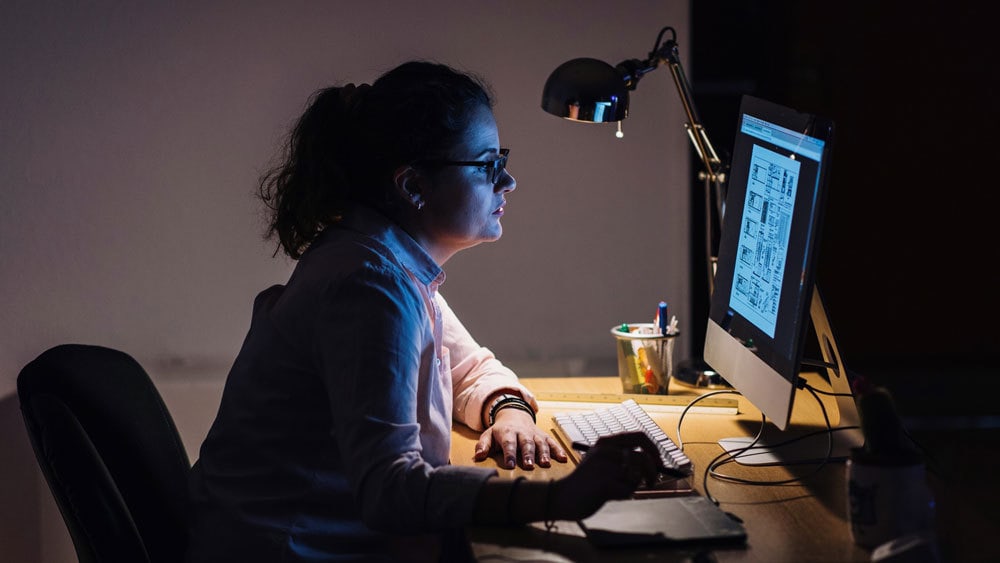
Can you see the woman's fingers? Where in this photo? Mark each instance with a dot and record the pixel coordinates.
(640, 457)
(519, 440)
(483, 446)
(527, 444)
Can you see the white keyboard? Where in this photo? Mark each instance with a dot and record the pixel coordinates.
(585, 428)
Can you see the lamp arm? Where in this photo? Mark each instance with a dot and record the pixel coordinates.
(696, 132)
(631, 71)
(713, 175)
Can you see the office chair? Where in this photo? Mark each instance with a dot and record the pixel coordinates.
(110, 453)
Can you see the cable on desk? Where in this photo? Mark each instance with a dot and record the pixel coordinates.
(822, 392)
(856, 381)
(932, 463)
(680, 442)
(731, 456)
(725, 453)
(819, 364)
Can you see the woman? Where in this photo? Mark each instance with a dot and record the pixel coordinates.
(332, 439)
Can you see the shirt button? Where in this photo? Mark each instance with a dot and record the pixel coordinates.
(437, 361)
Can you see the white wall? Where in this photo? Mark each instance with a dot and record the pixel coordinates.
(133, 134)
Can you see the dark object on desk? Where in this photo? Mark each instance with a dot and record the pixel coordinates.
(885, 438)
(665, 486)
(694, 372)
(110, 453)
(665, 521)
(888, 493)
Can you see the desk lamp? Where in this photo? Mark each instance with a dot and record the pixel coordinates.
(590, 90)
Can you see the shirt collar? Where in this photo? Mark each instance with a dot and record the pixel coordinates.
(370, 222)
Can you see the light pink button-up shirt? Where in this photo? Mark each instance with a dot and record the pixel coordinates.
(334, 431)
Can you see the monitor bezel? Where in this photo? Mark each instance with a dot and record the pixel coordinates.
(762, 368)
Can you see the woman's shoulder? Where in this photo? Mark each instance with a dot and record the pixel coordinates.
(343, 252)
(350, 265)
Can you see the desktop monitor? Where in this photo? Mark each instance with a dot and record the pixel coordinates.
(764, 283)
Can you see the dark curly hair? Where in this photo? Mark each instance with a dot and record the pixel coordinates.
(350, 139)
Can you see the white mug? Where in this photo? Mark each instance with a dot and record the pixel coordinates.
(888, 500)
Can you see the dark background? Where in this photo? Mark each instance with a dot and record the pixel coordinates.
(908, 260)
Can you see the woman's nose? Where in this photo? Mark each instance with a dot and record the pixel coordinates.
(507, 182)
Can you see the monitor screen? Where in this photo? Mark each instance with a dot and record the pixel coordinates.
(760, 308)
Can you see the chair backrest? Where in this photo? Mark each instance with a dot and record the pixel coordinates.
(110, 453)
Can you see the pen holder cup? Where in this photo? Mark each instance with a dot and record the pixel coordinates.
(887, 500)
(645, 358)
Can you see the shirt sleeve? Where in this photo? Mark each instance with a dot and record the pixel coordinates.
(475, 372)
(369, 349)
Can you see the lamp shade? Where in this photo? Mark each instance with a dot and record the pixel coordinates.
(586, 89)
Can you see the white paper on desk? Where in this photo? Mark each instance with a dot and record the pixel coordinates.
(667, 520)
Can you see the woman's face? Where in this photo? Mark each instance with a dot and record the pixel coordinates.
(462, 205)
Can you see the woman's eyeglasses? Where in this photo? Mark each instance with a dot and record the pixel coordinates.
(494, 168)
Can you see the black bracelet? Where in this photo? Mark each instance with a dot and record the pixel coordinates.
(518, 406)
(510, 499)
(510, 400)
(505, 400)
(501, 400)
(488, 420)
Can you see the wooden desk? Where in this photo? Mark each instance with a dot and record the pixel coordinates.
(802, 522)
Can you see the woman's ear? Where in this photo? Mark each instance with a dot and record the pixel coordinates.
(409, 184)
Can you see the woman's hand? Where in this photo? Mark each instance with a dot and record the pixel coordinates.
(515, 435)
(612, 469)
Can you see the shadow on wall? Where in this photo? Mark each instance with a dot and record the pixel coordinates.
(20, 481)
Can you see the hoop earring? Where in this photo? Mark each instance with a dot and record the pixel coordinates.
(420, 205)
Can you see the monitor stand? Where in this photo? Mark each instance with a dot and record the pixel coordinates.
(816, 447)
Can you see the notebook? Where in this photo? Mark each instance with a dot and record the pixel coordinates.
(664, 520)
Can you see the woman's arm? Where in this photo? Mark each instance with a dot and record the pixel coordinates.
(612, 469)
(479, 379)
(477, 375)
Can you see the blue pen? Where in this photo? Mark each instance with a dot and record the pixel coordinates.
(661, 317)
